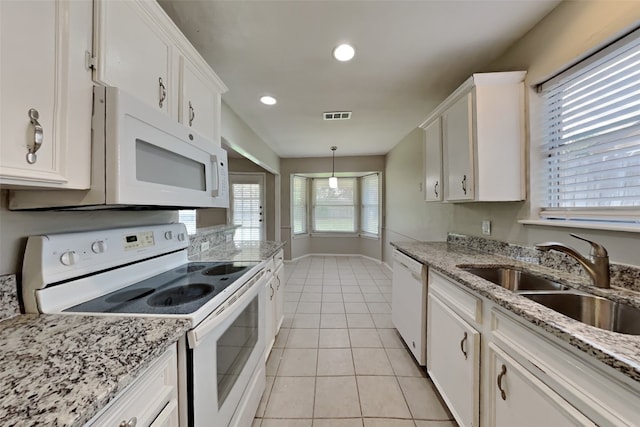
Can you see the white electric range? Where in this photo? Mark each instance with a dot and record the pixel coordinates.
(145, 271)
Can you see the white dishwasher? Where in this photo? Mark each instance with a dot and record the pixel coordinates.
(409, 303)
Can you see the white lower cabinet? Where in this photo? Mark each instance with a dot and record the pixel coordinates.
(520, 399)
(151, 401)
(275, 299)
(453, 361)
(495, 369)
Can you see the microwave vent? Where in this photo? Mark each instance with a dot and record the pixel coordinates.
(337, 115)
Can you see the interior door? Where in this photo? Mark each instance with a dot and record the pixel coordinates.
(247, 205)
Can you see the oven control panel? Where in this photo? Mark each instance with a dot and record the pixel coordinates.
(139, 240)
(59, 257)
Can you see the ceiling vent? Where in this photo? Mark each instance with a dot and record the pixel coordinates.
(337, 115)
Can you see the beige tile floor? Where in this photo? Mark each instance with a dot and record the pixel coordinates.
(337, 361)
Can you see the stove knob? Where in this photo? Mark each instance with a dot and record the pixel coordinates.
(168, 235)
(69, 258)
(99, 246)
(181, 237)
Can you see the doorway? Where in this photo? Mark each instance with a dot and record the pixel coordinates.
(247, 205)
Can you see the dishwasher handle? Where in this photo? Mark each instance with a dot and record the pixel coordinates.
(412, 266)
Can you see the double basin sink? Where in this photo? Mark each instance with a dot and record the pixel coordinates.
(590, 309)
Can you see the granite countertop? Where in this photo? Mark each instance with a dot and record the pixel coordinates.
(239, 251)
(60, 370)
(619, 351)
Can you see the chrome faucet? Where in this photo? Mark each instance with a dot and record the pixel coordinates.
(597, 265)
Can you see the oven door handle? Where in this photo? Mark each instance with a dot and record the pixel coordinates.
(219, 316)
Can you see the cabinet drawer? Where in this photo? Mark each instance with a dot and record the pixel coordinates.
(148, 399)
(465, 304)
(602, 394)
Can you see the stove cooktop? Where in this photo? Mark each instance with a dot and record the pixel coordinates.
(182, 290)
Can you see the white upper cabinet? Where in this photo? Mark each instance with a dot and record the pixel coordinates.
(199, 101)
(433, 161)
(140, 50)
(134, 53)
(45, 94)
(482, 139)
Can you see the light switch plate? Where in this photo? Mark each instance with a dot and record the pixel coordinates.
(486, 227)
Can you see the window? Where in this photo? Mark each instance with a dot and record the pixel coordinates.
(299, 203)
(334, 209)
(188, 218)
(246, 207)
(591, 137)
(369, 212)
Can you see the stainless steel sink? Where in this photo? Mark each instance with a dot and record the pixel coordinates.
(592, 310)
(515, 280)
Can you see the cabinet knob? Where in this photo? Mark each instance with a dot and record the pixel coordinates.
(38, 136)
(131, 423)
(163, 91)
(464, 184)
(503, 372)
(192, 114)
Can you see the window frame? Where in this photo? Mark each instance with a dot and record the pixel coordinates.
(608, 218)
(312, 209)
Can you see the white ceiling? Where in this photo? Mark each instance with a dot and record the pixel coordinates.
(409, 56)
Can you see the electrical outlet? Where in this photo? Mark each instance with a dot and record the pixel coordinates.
(486, 227)
(204, 246)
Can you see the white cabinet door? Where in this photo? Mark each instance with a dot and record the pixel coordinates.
(270, 314)
(278, 278)
(520, 399)
(134, 53)
(45, 93)
(199, 103)
(433, 161)
(453, 361)
(458, 149)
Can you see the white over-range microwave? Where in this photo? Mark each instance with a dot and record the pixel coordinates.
(140, 159)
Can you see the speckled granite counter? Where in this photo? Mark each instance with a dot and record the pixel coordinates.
(621, 352)
(60, 370)
(239, 251)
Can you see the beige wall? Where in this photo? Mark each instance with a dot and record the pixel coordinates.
(16, 226)
(301, 246)
(571, 31)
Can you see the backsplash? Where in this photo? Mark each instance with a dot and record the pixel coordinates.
(624, 276)
(9, 305)
(214, 236)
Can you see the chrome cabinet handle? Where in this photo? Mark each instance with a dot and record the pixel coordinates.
(462, 346)
(435, 188)
(38, 136)
(272, 291)
(131, 423)
(163, 91)
(192, 114)
(503, 372)
(464, 184)
(278, 287)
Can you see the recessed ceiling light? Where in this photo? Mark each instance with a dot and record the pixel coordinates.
(344, 52)
(268, 100)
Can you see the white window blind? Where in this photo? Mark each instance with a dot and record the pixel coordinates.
(369, 213)
(188, 218)
(246, 211)
(591, 137)
(299, 212)
(334, 208)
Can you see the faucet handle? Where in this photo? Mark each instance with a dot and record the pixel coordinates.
(597, 249)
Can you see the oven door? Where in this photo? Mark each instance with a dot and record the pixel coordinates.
(224, 351)
(152, 160)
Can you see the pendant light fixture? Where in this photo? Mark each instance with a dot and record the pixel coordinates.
(333, 181)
